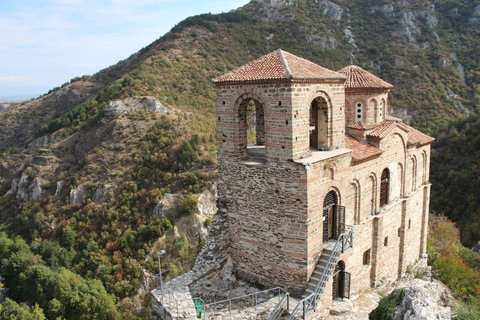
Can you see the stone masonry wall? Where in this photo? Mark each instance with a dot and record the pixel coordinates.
(274, 203)
(266, 211)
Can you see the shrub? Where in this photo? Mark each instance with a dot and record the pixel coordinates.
(387, 306)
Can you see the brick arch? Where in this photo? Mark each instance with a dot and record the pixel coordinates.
(332, 186)
(325, 93)
(250, 93)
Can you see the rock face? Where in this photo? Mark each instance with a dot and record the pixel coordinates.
(4, 107)
(60, 185)
(444, 62)
(475, 19)
(331, 9)
(164, 206)
(78, 195)
(25, 190)
(420, 303)
(101, 194)
(133, 105)
(45, 141)
(408, 25)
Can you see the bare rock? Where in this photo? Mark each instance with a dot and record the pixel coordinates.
(164, 206)
(78, 195)
(430, 20)
(35, 191)
(101, 194)
(407, 26)
(324, 41)
(4, 107)
(60, 185)
(444, 62)
(475, 19)
(331, 9)
(420, 302)
(46, 140)
(133, 105)
(24, 190)
(386, 10)
(340, 306)
(14, 187)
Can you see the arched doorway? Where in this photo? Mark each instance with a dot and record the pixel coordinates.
(333, 217)
(341, 282)
(319, 124)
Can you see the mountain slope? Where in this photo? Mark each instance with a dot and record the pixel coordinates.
(91, 183)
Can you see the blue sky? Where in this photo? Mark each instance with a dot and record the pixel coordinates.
(45, 43)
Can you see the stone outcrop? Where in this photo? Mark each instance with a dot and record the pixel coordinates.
(133, 105)
(60, 185)
(475, 19)
(166, 204)
(444, 62)
(46, 140)
(101, 195)
(25, 190)
(4, 107)
(331, 10)
(420, 302)
(407, 26)
(78, 195)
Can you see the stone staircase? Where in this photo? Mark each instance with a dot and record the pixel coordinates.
(319, 268)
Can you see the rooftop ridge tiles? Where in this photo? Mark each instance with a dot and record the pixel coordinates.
(285, 63)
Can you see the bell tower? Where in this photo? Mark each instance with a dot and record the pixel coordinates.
(271, 113)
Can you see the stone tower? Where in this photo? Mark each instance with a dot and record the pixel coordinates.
(315, 167)
(300, 107)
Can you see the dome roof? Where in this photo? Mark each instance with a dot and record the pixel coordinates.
(359, 78)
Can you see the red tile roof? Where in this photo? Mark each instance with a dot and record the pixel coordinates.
(279, 65)
(361, 150)
(359, 78)
(417, 138)
(361, 126)
(383, 130)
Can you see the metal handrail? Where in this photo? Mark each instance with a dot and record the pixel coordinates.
(282, 306)
(309, 304)
(253, 296)
(169, 295)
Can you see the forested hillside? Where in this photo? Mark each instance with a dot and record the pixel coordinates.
(78, 186)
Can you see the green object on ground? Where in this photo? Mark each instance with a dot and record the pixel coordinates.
(198, 307)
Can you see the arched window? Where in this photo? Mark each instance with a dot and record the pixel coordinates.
(319, 124)
(384, 187)
(355, 200)
(414, 173)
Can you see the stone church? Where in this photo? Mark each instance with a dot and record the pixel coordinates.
(332, 195)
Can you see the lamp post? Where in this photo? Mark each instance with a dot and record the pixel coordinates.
(160, 273)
